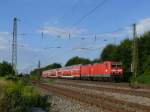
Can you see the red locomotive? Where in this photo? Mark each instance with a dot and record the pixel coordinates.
(106, 70)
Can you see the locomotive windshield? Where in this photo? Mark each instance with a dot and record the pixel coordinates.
(116, 65)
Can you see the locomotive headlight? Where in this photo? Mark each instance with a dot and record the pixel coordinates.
(120, 70)
(106, 70)
(113, 70)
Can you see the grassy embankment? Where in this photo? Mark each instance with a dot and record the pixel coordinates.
(16, 95)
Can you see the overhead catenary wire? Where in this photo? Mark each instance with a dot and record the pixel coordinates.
(72, 7)
(89, 13)
(82, 49)
(96, 37)
(83, 17)
(105, 36)
(100, 35)
(61, 18)
(83, 37)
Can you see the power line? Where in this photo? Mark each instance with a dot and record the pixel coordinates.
(96, 37)
(100, 35)
(84, 16)
(61, 18)
(73, 6)
(90, 12)
(121, 29)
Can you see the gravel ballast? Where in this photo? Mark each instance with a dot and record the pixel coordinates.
(130, 98)
(61, 104)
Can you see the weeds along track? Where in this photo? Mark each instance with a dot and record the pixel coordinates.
(129, 91)
(104, 103)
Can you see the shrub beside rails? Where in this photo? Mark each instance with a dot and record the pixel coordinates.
(18, 96)
(105, 70)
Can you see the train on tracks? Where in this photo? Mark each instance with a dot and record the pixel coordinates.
(106, 70)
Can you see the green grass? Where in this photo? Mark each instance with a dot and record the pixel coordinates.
(18, 96)
(144, 78)
(48, 80)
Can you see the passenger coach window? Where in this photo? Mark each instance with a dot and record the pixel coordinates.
(119, 66)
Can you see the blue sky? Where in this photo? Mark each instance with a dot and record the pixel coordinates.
(55, 18)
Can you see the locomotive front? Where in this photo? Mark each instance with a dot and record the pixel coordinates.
(116, 68)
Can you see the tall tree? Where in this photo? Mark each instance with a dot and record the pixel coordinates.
(108, 53)
(52, 66)
(48, 67)
(6, 69)
(77, 60)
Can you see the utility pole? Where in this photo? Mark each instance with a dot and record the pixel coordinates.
(135, 52)
(14, 46)
(39, 66)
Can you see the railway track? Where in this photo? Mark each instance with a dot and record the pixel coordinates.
(95, 82)
(129, 91)
(126, 85)
(105, 103)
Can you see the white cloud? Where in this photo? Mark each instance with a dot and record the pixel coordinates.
(143, 26)
(61, 31)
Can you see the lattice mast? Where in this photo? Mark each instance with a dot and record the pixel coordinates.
(14, 46)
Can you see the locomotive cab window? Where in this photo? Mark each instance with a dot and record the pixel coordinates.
(114, 66)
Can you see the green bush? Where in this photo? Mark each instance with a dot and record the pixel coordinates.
(10, 98)
(19, 97)
(33, 97)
